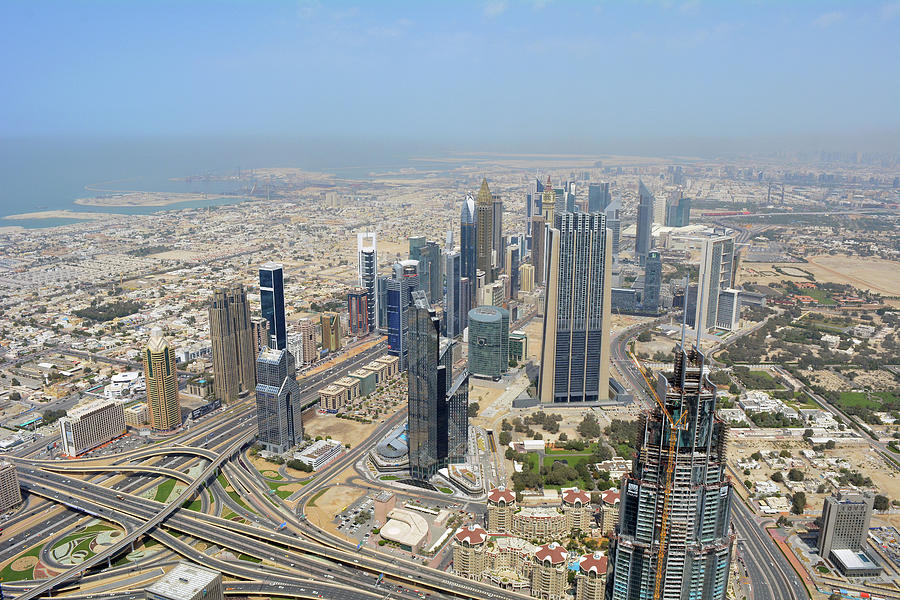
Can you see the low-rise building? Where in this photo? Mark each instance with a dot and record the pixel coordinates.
(187, 581)
(136, 415)
(540, 523)
(367, 380)
(407, 529)
(10, 493)
(89, 425)
(320, 453)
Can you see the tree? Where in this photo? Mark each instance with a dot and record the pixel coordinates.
(796, 475)
(563, 437)
(15, 382)
(807, 433)
(881, 502)
(830, 445)
(473, 409)
(15, 396)
(734, 389)
(798, 503)
(756, 455)
(644, 336)
(777, 477)
(505, 438)
(589, 427)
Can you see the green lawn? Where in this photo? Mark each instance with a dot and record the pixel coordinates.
(821, 296)
(8, 574)
(572, 459)
(312, 501)
(388, 478)
(195, 505)
(445, 490)
(165, 490)
(858, 399)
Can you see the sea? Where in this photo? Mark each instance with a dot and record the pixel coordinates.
(50, 173)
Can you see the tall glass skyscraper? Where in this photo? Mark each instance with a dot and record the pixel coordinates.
(367, 247)
(598, 197)
(271, 298)
(162, 383)
(438, 421)
(716, 275)
(532, 206)
(643, 239)
(278, 407)
(467, 235)
(452, 294)
(428, 254)
(673, 540)
(652, 282)
(403, 282)
(575, 346)
(488, 341)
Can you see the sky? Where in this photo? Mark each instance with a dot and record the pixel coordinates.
(533, 75)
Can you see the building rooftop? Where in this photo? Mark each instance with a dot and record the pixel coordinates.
(405, 527)
(595, 562)
(553, 552)
(185, 580)
(88, 408)
(501, 493)
(473, 534)
(853, 560)
(576, 496)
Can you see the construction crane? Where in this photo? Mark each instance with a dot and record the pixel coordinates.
(674, 427)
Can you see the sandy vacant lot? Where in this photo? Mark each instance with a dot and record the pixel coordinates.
(868, 273)
(332, 502)
(342, 430)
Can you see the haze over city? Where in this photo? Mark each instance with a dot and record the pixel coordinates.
(495, 300)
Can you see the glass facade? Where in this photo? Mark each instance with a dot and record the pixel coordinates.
(452, 294)
(643, 240)
(278, 402)
(488, 341)
(368, 273)
(652, 282)
(399, 289)
(467, 241)
(271, 298)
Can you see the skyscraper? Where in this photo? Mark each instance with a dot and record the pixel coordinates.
(614, 224)
(438, 423)
(484, 227)
(497, 239)
(678, 210)
(652, 282)
(513, 252)
(526, 277)
(488, 341)
(643, 241)
(307, 347)
(468, 242)
(452, 293)
(538, 250)
(673, 540)
(278, 406)
(331, 331)
(532, 206)
(259, 335)
(548, 203)
(716, 275)
(233, 348)
(845, 521)
(428, 255)
(271, 298)
(575, 347)
(358, 309)
(162, 383)
(367, 248)
(465, 302)
(403, 282)
(598, 197)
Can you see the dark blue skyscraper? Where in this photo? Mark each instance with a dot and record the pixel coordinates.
(452, 293)
(271, 297)
(598, 197)
(467, 242)
(532, 205)
(652, 282)
(642, 242)
(403, 282)
(678, 211)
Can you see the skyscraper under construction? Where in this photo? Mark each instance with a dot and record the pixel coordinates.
(673, 540)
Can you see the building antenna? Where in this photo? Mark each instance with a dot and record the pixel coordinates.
(699, 299)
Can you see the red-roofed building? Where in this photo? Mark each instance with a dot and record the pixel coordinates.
(548, 575)
(577, 508)
(590, 581)
(469, 558)
(501, 504)
(609, 511)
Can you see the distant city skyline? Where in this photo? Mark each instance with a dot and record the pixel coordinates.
(397, 70)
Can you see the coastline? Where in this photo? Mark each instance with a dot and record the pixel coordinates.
(140, 199)
(61, 214)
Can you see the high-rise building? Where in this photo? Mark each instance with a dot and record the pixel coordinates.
(513, 254)
(428, 255)
(532, 205)
(452, 294)
(307, 346)
(89, 425)
(590, 579)
(161, 378)
(259, 334)
(488, 341)
(381, 284)
(498, 243)
(575, 347)
(403, 282)
(278, 402)
(10, 492)
(598, 197)
(548, 202)
(526, 277)
(331, 331)
(652, 282)
(438, 420)
(644, 238)
(538, 250)
(716, 275)
(614, 224)
(367, 247)
(673, 539)
(678, 210)
(358, 309)
(233, 348)
(845, 521)
(465, 302)
(187, 581)
(549, 575)
(484, 231)
(468, 243)
(271, 298)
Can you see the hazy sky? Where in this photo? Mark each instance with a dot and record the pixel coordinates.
(452, 71)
